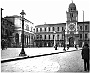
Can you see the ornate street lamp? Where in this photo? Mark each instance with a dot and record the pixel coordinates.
(54, 38)
(1, 20)
(22, 53)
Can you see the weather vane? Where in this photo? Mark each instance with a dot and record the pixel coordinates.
(72, 1)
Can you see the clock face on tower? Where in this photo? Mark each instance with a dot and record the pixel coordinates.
(71, 27)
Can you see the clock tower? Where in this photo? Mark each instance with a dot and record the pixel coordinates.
(71, 24)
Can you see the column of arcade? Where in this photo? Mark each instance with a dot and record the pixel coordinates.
(27, 40)
(18, 39)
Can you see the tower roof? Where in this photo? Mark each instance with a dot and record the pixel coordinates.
(72, 5)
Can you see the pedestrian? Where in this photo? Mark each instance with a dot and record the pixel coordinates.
(67, 46)
(85, 56)
(2, 44)
(76, 46)
(56, 47)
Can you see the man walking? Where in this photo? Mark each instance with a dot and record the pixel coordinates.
(85, 56)
(56, 47)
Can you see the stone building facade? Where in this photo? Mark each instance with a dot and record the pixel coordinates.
(75, 32)
(45, 34)
(28, 31)
(7, 29)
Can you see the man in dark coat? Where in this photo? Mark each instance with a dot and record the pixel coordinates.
(85, 56)
(56, 47)
(3, 44)
(76, 46)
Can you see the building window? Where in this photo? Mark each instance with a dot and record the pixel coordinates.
(71, 15)
(57, 37)
(29, 38)
(49, 37)
(62, 36)
(45, 37)
(62, 28)
(36, 29)
(53, 36)
(40, 29)
(49, 28)
(27, 27)
(80, 36)
(85, 36)
(53, 28)
(57, 28)
(80, 27)
(37, 36)
(86, 27)
(45, 29)
(40, 36)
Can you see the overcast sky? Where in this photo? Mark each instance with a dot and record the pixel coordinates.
(49, 11)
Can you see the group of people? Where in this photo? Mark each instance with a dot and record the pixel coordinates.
(67, 47)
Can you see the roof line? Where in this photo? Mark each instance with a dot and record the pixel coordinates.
(16, 16)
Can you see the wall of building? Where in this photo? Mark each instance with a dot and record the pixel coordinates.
(7, 29)
(28, 31)
(49, 33)
(59, 40)
(83, 32)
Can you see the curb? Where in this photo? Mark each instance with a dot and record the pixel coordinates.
(26, 57)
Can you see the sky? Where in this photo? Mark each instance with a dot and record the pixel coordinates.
(45, 11)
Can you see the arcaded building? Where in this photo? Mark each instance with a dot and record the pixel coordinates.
(17, 34)
(75, 32)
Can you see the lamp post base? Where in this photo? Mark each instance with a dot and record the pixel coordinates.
(22, 53)
(64, 49)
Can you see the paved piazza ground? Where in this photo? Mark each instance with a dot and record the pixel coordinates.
(62, 62)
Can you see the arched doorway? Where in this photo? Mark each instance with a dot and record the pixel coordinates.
(71, 42)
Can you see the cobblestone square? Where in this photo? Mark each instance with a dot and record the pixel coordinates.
(62, 62)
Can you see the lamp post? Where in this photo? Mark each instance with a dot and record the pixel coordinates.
(22, 53)
(1, 19)
(1, 12)
(83, 29)
(55, 44)
(64, 40)
(54, 38)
